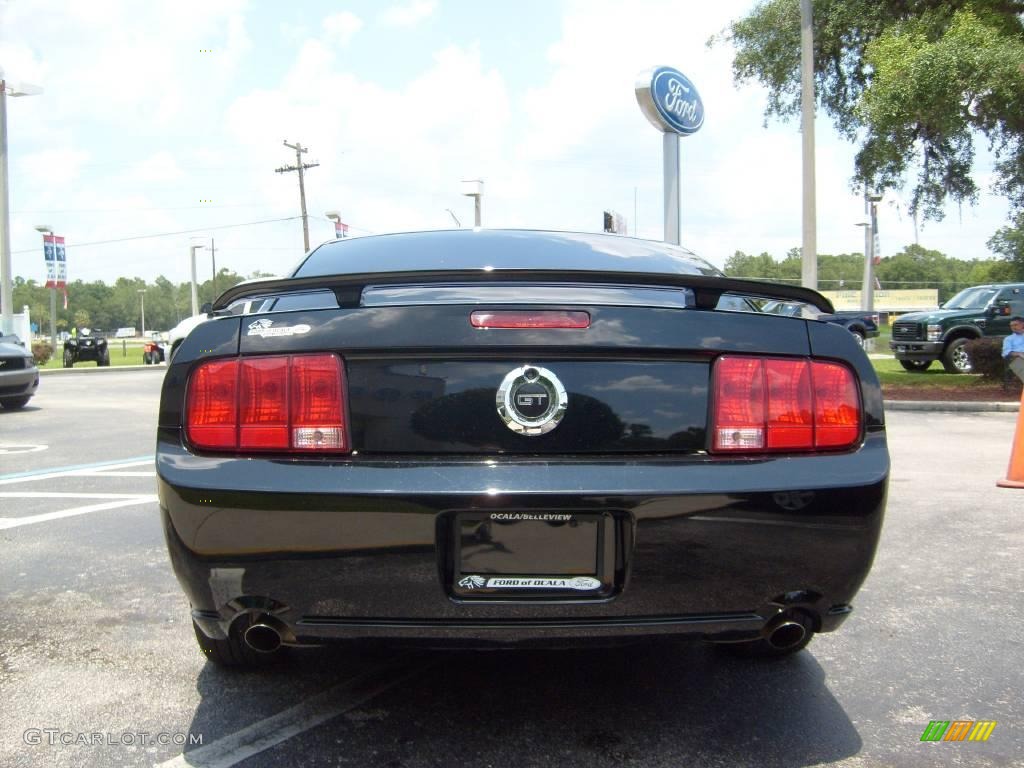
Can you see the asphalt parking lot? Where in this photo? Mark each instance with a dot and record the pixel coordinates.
(98, 665)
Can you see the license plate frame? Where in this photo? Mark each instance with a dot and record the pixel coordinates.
(515, 555)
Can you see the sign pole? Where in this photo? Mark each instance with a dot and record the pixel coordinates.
(671, 103)
(670, 172)
(6, 279)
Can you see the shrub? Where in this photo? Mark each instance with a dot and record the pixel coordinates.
(42, 351)
(986, 358)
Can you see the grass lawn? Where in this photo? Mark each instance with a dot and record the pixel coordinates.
(936, 384)
(891, 372)
(120, 354)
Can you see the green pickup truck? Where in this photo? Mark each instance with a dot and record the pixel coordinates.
(982, 311)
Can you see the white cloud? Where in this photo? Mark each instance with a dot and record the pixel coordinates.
(159, 168)
(408, 15)
(341, 27)
(392, 158)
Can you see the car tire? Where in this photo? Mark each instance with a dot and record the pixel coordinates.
(955, 358)
(763, 649)
(916, 366)
(103, 360)
(858, 336)
(14, 403)
(233, 652)
(69, 359)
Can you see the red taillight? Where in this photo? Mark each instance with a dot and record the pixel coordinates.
(263, 403)
(539, 318)
(278, 403)
(318, 398)
(783, 404)
(836, 406)
(212, 405)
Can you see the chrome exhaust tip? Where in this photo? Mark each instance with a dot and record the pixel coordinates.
(787, 634)
(262, 636)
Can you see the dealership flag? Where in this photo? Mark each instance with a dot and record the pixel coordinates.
(340, 230)
(56, 261)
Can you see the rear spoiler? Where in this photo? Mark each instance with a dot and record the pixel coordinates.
(348, 288)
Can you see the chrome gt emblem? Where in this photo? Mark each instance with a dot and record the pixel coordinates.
(531, 400)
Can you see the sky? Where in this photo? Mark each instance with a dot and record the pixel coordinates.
(170, 117)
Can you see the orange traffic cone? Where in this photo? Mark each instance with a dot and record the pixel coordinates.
(1015, 474)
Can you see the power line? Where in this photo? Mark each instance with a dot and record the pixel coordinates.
(173, 234)
(142, 208)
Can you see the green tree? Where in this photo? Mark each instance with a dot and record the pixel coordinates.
(914, 82)
(1009, 243)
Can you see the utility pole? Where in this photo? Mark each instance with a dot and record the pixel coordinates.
(809, 251)
(300, 167)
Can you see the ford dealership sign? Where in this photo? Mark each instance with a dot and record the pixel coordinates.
(670, 101)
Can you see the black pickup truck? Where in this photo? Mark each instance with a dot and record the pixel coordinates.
(863, 325)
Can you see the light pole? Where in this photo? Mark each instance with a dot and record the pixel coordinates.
(213, 265)
(809, 255)
(867, 291)
(6, 279)
(195, 288)
(48, 230)
(142, 303)
(474, 188)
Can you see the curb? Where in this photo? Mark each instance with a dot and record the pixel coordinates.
(955, 406)
(97, 369)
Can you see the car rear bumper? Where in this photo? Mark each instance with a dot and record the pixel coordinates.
(19, 383)
(357, 549)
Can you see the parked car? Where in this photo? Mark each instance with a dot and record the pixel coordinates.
(178, 333)
(920, 338)
(86, 347)
(863, 325)
(19, 377)
(498, 438)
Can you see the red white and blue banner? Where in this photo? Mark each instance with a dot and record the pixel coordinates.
(56, 261)
(56, 264)
(340, 230)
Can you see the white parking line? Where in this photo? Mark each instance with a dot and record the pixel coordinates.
(315, 711)
(63, 495)
(102, 473)
(73, 472)
(17, 522)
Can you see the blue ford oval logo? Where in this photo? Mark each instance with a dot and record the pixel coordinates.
(670, 101)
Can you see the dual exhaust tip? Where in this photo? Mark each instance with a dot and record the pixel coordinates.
(264, 634)
(787, 633)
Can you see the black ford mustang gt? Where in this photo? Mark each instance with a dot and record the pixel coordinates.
(495, 438)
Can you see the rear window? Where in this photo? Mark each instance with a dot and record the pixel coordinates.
(527, 293)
